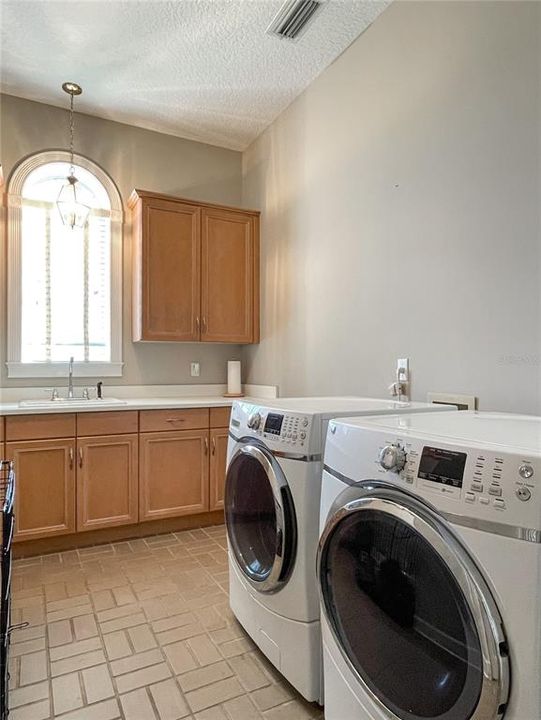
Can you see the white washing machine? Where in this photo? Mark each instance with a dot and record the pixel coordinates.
(429, 568)
(272, 501)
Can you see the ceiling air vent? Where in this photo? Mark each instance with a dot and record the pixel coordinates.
(293, 18)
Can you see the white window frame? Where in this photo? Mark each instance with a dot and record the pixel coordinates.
(16, 368)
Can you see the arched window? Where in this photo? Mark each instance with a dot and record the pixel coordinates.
(64, 284)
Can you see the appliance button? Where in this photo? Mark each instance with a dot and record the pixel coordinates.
(302, 435)
(484, 501)
(499, 504)
(495, 490)
(305, 422)
(409, 479)
(469, 497)
(524, 494)
(294, 436)
(392, 458)
(477, 486)
(525, 471)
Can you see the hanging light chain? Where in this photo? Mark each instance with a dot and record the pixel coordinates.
(72, 169)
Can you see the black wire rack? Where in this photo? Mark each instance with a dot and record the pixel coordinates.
(7, 502)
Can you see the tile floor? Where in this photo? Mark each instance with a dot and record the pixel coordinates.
(139, 630)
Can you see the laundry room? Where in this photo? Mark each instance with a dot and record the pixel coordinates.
(270, 359)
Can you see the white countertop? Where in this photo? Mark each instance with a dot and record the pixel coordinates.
(149, 399)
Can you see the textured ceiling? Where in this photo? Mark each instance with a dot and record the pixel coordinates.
(200, 69)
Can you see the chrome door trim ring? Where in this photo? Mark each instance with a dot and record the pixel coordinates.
(516, 532)
(278, 453)
(386, 498)
(277, 482)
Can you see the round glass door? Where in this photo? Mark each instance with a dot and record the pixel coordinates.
(259, 517)
(407, 617)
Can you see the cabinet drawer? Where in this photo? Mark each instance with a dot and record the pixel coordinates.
(117, 422)
(219, 417)
(40, 427)
(159, 420)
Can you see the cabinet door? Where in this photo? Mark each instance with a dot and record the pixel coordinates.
(173, 473)
(169, 255)
(218, 458)
(45, 496)
(229, 277)
(107, 481)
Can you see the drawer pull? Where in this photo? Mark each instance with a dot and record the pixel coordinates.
(214, 446)
(174, 420)
(71, 458)
(206, 446)
(80, 457)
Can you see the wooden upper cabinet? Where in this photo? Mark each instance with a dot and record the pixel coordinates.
(229, 288)
(195, 271)
(166, 270)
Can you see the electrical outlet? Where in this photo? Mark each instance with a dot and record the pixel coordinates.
(195, 369)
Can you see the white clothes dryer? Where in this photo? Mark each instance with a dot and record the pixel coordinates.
(429, 568)
(272, 501)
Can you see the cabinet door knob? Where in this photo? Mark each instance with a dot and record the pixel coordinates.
(80, 457)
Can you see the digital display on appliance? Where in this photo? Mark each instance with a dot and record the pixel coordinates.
(273, 423)
(442, 466)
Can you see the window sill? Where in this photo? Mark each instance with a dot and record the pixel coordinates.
(60, 369)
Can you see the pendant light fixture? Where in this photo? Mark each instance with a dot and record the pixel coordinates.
(72, 212)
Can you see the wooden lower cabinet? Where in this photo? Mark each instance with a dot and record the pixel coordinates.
(173, 473)
(45, 496)
(107, 481)
(218, 460)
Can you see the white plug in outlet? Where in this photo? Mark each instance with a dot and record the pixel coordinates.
(195, 369)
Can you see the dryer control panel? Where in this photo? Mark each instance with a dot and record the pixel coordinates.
(500, 486)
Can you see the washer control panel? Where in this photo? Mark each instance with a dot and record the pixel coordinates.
(501, 485)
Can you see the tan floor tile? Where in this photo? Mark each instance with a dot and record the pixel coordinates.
(168, 623)
(123, 623)
(67, 613)
(140, 678)
(33, 668)
(67, 603)
(204, 676)
(169, 701)
(232, 632)
(141, 638)
(241, 708)
(79, 662)
(106, 710)
(31, 633)
(293, 710)
(36, 711)
(97, 683)
(85, 627)
(180, 633)
(271, 696)
(214, 694)
(29, 694)
(212, 713)
(179, 657)
(137, 706)
(136, 662)
(76, 648)
(204, 650)
(123, 595)
(236, 647)
(118, 612)
(22, 648)
(117, 645)
(103, 600)
(67, 693)
(248, 672)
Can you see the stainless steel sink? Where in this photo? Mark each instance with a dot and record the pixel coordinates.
(76, 403)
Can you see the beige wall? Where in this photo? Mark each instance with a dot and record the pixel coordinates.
(401, 211)
(133, 157)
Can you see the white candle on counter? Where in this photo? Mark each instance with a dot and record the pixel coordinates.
(234, 387)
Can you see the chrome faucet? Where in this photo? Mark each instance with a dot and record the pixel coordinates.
(70, 378)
